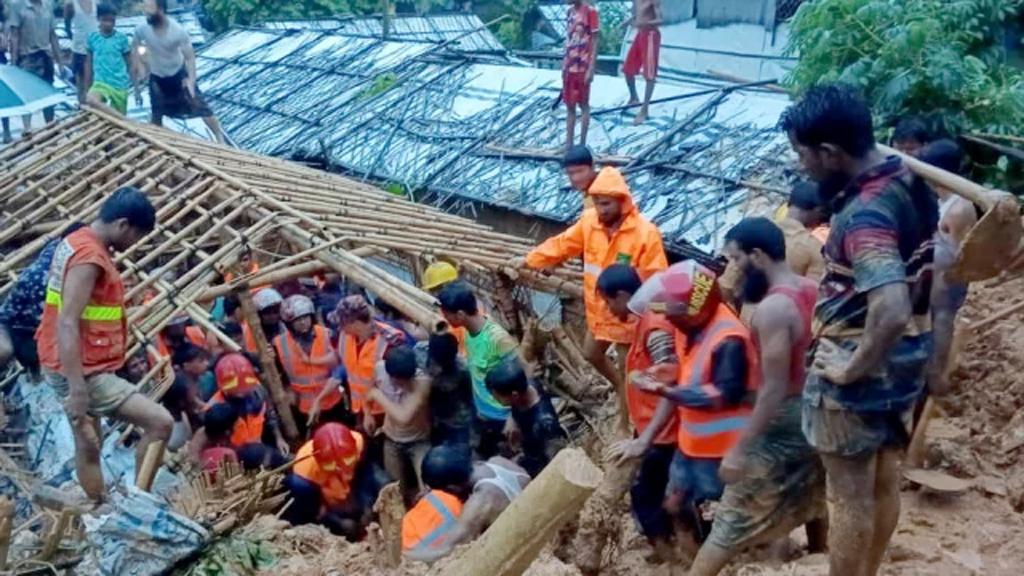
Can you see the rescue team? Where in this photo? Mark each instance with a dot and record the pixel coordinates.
(741, 420)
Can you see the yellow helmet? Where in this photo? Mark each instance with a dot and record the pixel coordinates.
(438, 274)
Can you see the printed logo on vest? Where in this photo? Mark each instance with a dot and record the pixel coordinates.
(623, 258)
(702, 284)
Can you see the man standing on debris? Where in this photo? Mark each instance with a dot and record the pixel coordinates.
(34, 46)
(81, 17)
(83, 337)
(718, 378)
(486, 487)
(872, 326)
(172, 69)
(579, 167)
(108, 63)
(643, 54)
(578, 66)
(613, 232)
(774, 479)
(652, 355)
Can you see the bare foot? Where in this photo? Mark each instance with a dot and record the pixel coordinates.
(633, 102)
(641, 117)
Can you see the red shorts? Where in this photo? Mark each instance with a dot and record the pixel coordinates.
(575, 88)
(643, 54)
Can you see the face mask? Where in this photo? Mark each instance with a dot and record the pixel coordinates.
(755, 284)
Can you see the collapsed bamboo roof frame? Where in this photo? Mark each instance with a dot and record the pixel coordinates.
(215, 202)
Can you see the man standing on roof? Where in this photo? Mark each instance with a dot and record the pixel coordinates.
(34, 46)
(643, 54)
(83, 336)
(82, 16)
(172, 69)
(579, 167)
(578, 66)
(872, 325)
(774, 479)
(612, 232)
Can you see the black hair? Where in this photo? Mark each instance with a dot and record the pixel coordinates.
(578, 155)
(387, 310)
(220, 420)
(187, 352)
(443, 349)
(132, 205)
(831, 114)
(508, 378)
(105, 9)
(760, 233)
(162, 5)
(74, 227)
(805, 195)
(619, 278)
(253, 456)
(447, 465)
(458, 297)
(232, 329)
(912, 128)
(400, 362)
(945, 154)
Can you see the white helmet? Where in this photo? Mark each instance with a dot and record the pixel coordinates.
(297, 306)
(267, 298)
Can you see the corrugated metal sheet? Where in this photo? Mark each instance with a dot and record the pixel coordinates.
(467, 28)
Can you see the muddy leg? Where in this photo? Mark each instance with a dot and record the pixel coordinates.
(710, 560)
(887, 511)
(817, 535)
(851, 498)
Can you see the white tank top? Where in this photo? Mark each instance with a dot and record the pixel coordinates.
(82, 24)
(505, 480)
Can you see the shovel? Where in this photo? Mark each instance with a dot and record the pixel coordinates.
(992, 245)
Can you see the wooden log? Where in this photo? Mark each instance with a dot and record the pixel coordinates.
(390, 510)
(6, 525)
(53, 539)
(271, 377)
(515, 539)
(151, 463)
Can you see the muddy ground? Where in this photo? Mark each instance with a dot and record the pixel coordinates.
(978, 436)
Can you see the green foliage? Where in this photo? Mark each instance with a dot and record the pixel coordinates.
(224, 14)
(945, 60)
(381, 84)
(514, 32)
(612, 32)
(230, 557)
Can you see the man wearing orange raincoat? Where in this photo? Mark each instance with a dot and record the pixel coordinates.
(611, 232)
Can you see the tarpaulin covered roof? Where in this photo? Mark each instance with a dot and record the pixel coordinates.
(453, 129)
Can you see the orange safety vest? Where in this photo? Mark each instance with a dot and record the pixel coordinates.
(361, 365)
(307, 380)
(642, 405)
(637, 242)
(333, 487)
(249, 427)
(429, 523)
(102, 329)
(710, 433)
(194, 334)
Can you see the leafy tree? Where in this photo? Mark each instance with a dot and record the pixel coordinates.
(224, 14)
(944, 60)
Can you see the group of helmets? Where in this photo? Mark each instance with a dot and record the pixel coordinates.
(292, 307)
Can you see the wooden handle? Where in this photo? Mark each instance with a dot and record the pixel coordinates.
(915, 452)
(972, 191)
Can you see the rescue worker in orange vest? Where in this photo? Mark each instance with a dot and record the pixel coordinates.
(362, 345)
(239, 387)
(431, 531)
(653, 356)
(331, 483)
(305, 352)
(718, 378)
(176, 333)
(612, 232)
(268, 304)
(82, 335)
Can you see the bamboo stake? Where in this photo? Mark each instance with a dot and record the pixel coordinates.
(515, 539)
(151, 463)
(390, 510)
(6, 524)
(272, 377)
(56, 535)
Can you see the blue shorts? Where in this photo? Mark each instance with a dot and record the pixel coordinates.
(694, 479)
(848, 434)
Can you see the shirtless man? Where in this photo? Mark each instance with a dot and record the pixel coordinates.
(643, 54)
(487, 488)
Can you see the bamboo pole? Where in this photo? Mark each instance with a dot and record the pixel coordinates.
(515, 539)
(6, 525)
(390, 510)
(56, 534)
(151, 462)
(271, 376)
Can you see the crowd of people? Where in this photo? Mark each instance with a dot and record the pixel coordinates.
(104, 64)
(745, 392)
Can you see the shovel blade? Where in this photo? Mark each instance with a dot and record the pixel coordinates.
(991, 245)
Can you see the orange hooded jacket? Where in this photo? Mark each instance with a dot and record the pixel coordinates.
(637, 242)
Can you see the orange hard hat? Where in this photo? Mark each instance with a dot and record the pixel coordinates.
(336, 448)
(686, 292)
(235, 375)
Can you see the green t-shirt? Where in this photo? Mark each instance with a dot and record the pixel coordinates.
(108, 65)
(484, 352)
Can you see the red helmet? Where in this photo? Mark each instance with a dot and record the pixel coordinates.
(336, 448)
(235, 375)
(687, 292)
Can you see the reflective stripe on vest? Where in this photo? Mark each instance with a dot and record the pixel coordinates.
(446, 524)
(711, 433)
(593, 269)
(307, 387)
(91, 312)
